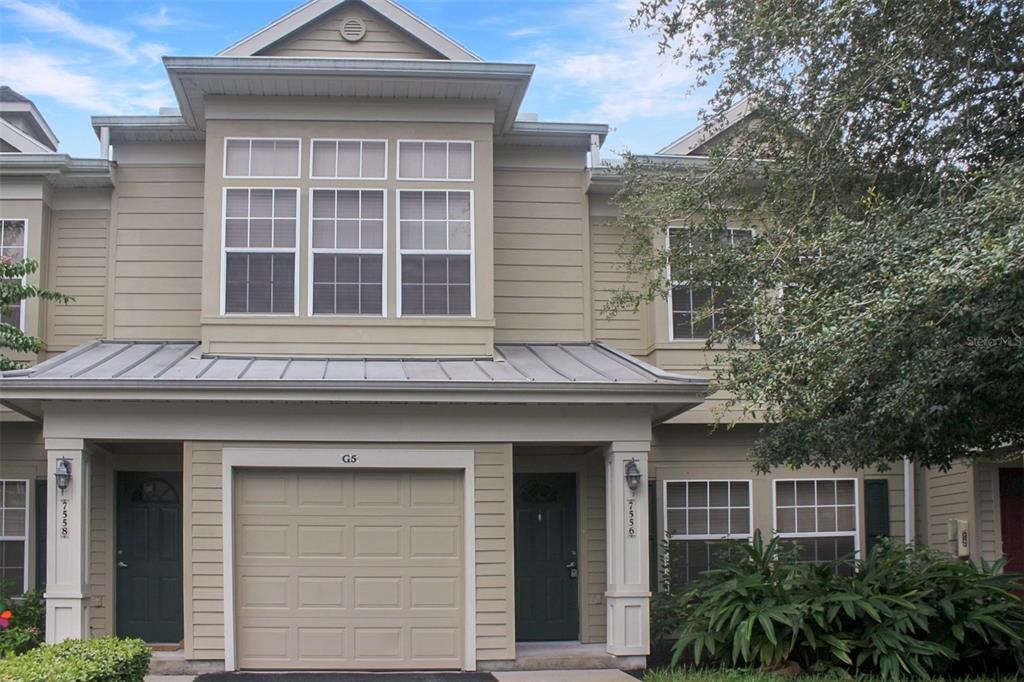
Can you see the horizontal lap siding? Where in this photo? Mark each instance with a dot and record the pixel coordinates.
(594, 552)
(694, 452)
(495, 624)
(948, 497)
(540, 255)
(625, 330)
(204, 586)
(102, 537)
(988, 536)
(78, 268)
(158, 252)
(322, 38)
(204, 555)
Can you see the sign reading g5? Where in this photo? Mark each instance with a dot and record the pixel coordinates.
(349, 459)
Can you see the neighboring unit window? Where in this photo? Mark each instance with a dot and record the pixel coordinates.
(12, 245)
(700, 516)
(820, 515)
(435, 160)
(436, 252)
(260, 228)
(350, 159)
(13, 536)
(348, 252)
(260, 158)
(686, 303)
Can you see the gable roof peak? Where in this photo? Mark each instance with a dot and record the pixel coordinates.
(314, 9)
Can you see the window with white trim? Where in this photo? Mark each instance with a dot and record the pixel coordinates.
(701, 517)
(820, 515)
(261, 158)
(13, 235)
(260, 237)
(435, 234)
(348, 159)
(688, 305)
(427, 160)
(14, 536)
(348, 251)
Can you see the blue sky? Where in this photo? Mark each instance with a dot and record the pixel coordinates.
(77, 58)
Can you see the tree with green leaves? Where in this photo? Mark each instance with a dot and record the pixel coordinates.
(879, 312)
(13, 292)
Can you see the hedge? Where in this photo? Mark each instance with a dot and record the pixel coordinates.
(107, 659)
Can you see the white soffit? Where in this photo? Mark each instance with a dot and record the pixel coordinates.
(313, 10)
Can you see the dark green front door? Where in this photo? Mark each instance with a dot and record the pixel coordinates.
(149, 593)
(547, 592)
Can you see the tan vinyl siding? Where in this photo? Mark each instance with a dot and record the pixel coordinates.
(691, 452)
(77, 268)
(540, 258)
(158, 252)
(949, 497)
(322, 38)
(23, 456)
(495, 613)
(203, 532)
(627, 330)
(988, 535)
(102, 538)
(203, 535)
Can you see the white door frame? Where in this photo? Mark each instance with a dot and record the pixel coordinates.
(343, 459)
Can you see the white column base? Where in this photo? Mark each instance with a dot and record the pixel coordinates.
(67, 617)
(629, 625)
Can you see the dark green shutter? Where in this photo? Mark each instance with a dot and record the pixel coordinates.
(876, 510)
(40, 535)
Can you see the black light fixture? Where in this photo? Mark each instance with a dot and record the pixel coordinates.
(632, 475)
(63, 474)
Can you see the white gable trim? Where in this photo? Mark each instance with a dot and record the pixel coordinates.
(706, 131)
(314, 9)
(30, 109)
(21, 140)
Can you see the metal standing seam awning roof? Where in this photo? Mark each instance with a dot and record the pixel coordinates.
(518, 372)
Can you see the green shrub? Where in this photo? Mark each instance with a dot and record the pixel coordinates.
(107, 659)
(21, 622)
(904, 612)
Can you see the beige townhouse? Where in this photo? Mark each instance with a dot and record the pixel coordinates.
(336, 390)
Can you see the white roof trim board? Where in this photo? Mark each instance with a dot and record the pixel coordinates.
(314, 9)
(697, 137)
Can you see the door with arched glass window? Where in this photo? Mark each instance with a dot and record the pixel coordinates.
(148, 556)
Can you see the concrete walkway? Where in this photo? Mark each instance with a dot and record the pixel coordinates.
(518, 676)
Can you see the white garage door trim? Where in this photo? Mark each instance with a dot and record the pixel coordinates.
(344, 459)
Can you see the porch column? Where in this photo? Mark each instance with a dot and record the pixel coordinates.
(67, 543)
(628, 594)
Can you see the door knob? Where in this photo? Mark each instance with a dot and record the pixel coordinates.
(121, 564)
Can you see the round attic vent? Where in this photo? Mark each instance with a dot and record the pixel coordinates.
(353, 29)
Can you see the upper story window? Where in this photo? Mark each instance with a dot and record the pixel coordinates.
(820, 515)
(13, 245)
(687, 303)
(347, 241)
(349, 159)
(435, 236)
(261, 158)
(14, 535)
(699, 516)
(260, 237)
(426, 160)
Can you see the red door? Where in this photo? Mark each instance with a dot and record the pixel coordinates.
(1011, 508)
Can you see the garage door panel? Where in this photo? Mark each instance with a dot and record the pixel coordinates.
(349, 569)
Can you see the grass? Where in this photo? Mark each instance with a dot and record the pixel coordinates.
(735, 675)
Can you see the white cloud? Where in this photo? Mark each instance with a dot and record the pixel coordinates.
(35, 73)
(158, 20)
(47, 18)
(527, 32)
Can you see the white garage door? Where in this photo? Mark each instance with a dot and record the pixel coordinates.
(348, 569)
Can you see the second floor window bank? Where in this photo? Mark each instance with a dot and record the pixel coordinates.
(350, 233)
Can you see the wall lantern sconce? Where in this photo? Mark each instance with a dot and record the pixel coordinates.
(63, 474)
(632, 475)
